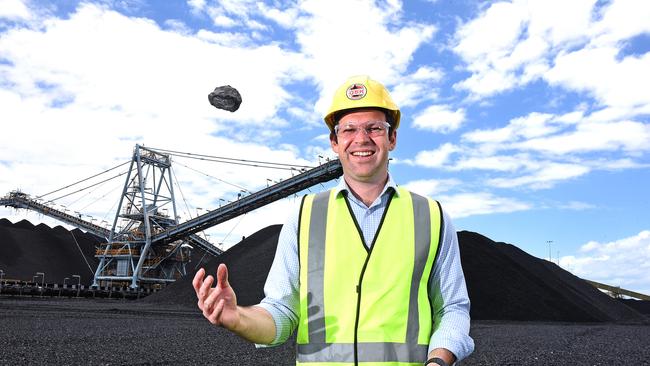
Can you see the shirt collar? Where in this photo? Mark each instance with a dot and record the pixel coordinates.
(342, 186)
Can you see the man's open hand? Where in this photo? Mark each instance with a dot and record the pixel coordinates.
(219, 303)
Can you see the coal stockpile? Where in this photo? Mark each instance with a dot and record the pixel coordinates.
(26, 249)
(248, 265)
(506, 283)
(642, 306)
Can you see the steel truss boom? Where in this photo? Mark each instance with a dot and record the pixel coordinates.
(323, 173)
(17, 199)
(150, 247)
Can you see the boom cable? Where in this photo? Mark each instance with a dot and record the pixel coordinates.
(83, 180)
(92, 185)
(245, 162)
(220, 180)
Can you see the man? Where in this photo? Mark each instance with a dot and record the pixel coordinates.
(368, 272)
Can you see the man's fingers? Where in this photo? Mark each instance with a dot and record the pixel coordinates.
(205, 287)
(211, 301)
(198, 279)
(216, 313)
(222, 276)
(212, 297)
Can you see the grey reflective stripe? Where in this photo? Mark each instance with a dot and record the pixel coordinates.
(422, 221)
(315, 263)
(368, 352)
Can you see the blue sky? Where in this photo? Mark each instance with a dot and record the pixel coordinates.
(528, 120)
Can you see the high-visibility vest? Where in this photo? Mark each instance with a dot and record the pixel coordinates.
(360, 305)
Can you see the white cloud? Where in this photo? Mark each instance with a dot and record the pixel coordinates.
(196, 5)
(576, 45)
(623, 262)
(227, 39)
(432, 187)
(223, 20)
(504, 163)
(614, 81)
(487, 83)
(178, 26)
(492, 34)
(533, 125)
(544, 149)
(616, 164)
(428, 74)
(436, 158)
(590, 246)
(569, 133)
(496, 135)
(622, 20)
(571, 117)
(90, 86)
(284, 18)
(337, 45)
(14, 10)
(82, 58)
(227, 13)
(577, 206)
(439, 118)
(480, 203)
(589, 137)
(545, 176)
(417, 87)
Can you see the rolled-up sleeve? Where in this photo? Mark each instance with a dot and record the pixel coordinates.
(281, 288)
(449, 297)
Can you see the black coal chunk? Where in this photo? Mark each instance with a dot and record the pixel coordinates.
(225, 97)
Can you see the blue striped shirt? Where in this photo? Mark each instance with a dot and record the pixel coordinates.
(447, 285)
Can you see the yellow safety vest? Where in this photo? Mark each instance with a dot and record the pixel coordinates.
(361, 306)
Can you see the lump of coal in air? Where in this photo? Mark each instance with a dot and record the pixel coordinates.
(225, 97)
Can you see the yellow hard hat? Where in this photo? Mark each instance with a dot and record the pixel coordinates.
(362, 92)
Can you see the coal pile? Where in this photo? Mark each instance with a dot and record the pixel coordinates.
(166, 328)
(248, 265)
(642, 306)
(506, 283)
(26, 249)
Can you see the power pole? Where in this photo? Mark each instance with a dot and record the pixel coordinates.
(549, 242)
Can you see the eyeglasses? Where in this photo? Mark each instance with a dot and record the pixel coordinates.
(372, 129)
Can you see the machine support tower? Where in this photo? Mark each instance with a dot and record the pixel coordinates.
(130, 257)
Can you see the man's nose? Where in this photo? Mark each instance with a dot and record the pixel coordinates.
(361, 135)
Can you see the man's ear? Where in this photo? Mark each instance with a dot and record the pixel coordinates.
(334, 142)
(392, 139)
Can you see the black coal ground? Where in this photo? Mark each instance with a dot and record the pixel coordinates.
(525, 311)
(121, 332)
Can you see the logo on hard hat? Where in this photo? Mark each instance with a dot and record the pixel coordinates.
(356, 91)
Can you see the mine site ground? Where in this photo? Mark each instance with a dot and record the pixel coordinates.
(525, 311)
(70, 331)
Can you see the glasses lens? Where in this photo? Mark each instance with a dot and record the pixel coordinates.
(377, 128)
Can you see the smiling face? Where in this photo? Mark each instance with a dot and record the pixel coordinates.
(364, 158)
